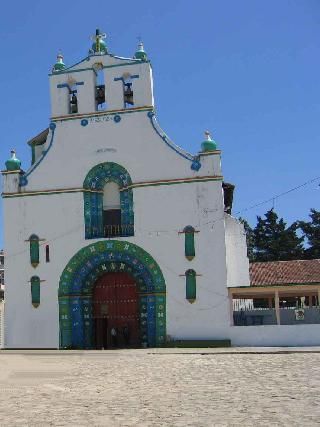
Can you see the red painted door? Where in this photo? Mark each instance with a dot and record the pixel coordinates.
(116, 308)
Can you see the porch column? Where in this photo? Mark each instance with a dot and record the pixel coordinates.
(231, 308)
(276, 304)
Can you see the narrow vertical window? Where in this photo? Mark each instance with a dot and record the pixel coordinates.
(191, 285)
(35, 291)
(127, 91)
(73, 100)
(34, 250)
(47, 253)
(189, 248)
(100, 87)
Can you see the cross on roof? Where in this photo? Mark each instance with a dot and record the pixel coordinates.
(97, 38)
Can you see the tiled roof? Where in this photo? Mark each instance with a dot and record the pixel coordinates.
(285, 272)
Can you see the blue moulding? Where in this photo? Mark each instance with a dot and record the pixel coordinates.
(23, 181)
(84, 122)
(195, 164)
(117, 118)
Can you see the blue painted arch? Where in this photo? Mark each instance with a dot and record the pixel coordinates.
(77, 283)
(94, 182)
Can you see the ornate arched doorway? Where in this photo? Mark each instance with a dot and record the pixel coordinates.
(116, 317)
(76, 290)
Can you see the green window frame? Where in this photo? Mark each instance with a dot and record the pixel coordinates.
(35, 291)
(189, 247)
(191, 285)
(34, 250)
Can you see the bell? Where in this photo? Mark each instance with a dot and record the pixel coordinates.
(128, 93)
(100, 94)
(74, 103)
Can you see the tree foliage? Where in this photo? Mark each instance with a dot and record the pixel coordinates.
(311, 232)
(273, 240)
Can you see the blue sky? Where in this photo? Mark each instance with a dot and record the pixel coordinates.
(246, 70)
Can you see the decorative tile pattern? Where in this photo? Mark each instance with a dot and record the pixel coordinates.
(96, 179)
(76, 289)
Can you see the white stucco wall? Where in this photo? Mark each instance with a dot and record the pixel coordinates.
(236, 251)
(161, 211)
(275, 335)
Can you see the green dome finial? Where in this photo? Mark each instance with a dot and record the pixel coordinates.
(140, 53)
(59, 65)
(13, 164)
(208, 144)
(99, 46)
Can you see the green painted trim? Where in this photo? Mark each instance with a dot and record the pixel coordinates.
(189, 246)
(69, 70)
(209, 153)
(49, 192)
(191, 286)
(156, 184)
(83, 190)
(5, 172)
(35, 291)
(102, 114)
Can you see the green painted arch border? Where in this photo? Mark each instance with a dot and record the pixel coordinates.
(76, 288)
(95, 181)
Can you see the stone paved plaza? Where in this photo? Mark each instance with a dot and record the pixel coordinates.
(164, 387)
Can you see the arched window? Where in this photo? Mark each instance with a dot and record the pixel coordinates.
(191, 285)
(108, 202)
(35, 291)
(34, 250)
(111, 209)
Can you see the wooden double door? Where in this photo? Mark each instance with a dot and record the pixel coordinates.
(116, 311)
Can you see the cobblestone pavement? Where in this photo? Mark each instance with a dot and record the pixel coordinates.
(159, 388)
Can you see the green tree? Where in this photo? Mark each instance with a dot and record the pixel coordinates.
(249, 238)
(274, 241)
(311, 232)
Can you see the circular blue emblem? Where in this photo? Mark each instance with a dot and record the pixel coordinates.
(84, 122)
(117, 118)
(195, 165)
(23, 181)
(150, 114)
(52, 126)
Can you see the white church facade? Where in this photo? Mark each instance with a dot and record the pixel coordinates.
(115, 235)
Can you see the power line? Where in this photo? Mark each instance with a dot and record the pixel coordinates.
(150, 232)
(272, 199)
